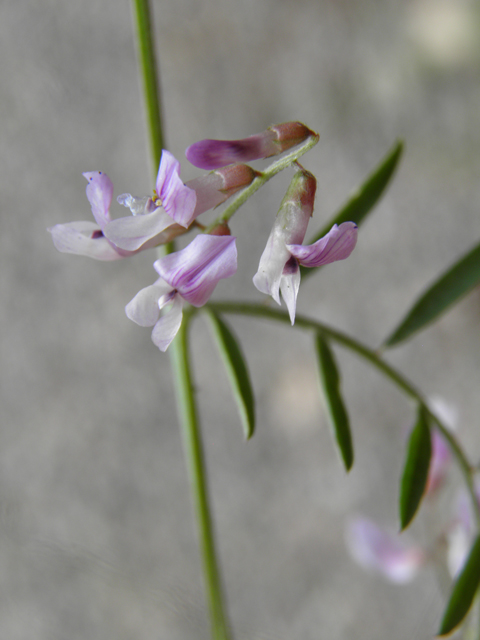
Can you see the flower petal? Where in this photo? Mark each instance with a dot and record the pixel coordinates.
(195, 271)
(143, 308)
(132, 232)
(83, 238)
(99, 193)
(273, 260)
(377, 550)
(338, 244)
(177, 199)
(213, 154)
(289, 286)
(167, 327)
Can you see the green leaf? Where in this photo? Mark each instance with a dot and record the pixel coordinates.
(366, 197)
(237, 371)
(415, 472)
(338, 417)
(463, 591)
(448, 289)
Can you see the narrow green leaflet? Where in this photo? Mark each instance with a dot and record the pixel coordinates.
(448, 289)
(463, 592)
(415, 472)
(364, 200)
(237, 371)
(330, 382)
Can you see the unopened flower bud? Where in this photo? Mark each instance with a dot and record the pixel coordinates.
(296, 208)
(289, 134)
(221, 229)
(217, 186)
(236, 177)
(212, 154)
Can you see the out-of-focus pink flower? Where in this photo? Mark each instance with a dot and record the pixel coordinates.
(212, 154)
(462, 530)
(441, 455)
(188, 275)
(174, 203)
(378, 551)
(279, 268)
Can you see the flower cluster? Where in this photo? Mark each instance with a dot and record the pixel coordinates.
(192, 274)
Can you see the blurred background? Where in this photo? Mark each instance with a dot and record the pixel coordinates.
(97, 538)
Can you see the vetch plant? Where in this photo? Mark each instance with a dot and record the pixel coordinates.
(187, 278)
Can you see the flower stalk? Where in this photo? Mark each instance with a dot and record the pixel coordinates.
(149, 73)
(193, 449)
(179, 354)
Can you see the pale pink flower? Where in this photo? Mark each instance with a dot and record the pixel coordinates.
(87, 238)
(189, 275)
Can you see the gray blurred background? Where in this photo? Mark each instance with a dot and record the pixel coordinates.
(96, 534)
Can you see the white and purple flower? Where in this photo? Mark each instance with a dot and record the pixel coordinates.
(279, 268)
(87, 238)
(174, 203)
(189, 275)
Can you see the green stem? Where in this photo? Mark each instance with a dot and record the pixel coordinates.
(148, 70)
(198, 483)
(373, 358)
(261, 179)
(179, 349)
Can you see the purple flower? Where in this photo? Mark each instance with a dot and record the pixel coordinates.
(212, 154)
(376, 550)
(87, 238)
(188, 275)
(279, 268)
(174, 203)
(84, 237)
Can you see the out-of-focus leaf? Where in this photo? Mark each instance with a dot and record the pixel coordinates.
(330, 381)
(415, 472)
(366, 197)
(463, 592)
(237, 371)
(448, 289)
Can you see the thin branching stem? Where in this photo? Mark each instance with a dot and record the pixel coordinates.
(301, 322)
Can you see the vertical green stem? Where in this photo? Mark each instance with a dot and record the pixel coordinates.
(198, 482)
(148, 69)
(179, 349)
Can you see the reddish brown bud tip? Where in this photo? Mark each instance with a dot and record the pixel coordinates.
(309, 189)
(236, 177)
(221, 229)
(301, 191)
(289, 134)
